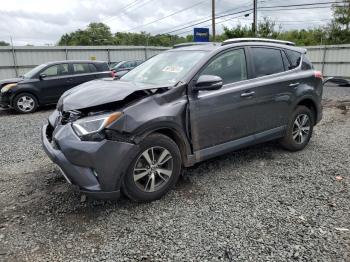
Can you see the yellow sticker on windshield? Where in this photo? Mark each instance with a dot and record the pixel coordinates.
(173, 69)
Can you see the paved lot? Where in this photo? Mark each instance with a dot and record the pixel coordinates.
(257, 204)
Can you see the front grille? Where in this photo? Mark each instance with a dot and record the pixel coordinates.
(69, 116)
(49, 132)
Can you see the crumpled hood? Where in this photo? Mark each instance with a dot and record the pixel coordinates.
(99, 92)
(10, 81)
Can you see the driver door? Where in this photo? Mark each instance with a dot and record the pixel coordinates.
(227, 114)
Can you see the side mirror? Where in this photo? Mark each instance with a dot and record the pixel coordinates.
(208, 82)
(42, 76)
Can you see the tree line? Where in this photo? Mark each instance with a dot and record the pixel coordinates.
(336, 32)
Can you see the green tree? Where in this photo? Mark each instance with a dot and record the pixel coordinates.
(338, 29)
(95, 34)
(266, 28)
(3, 43)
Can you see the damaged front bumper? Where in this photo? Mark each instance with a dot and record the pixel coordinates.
(95, 167)
(4, 101)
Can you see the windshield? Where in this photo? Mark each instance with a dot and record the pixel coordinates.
(34, 71)
(165, 68)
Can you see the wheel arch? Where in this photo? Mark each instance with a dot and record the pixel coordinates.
(178, 137)
(311, 104)
(14, 96)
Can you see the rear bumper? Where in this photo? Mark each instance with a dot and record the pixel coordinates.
(95, 167)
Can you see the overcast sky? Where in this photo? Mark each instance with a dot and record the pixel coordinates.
(42, 22)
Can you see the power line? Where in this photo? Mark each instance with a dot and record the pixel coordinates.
(136, 2)
(208, 20)
(293, 9)
(123, 8)
(172, 14)
(296, 7)
(215, 23)
(197, 20)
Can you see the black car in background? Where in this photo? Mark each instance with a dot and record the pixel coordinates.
(47, 82)
(123, 67)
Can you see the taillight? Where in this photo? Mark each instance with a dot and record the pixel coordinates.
(113, 74)
(318, 74)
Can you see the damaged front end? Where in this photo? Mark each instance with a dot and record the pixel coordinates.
(93, 144)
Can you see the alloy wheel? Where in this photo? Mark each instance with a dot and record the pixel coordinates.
(153, 169)
(301, 128)
(25, 103)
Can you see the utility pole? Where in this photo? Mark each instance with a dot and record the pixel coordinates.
(255, 17)
(213, 18)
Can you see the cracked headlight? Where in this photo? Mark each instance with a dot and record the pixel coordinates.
(94, 124)
(8, 87)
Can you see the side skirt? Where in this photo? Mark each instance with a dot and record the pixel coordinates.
(227, 147)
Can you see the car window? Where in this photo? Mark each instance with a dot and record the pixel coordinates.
(286, 62)
(92, 68)
(123, 65)
(306, 64)
(267, 61)
(56, 70)
(294, 58)
(167, 68)
(129, 64)
(81, 68)
(230, 66)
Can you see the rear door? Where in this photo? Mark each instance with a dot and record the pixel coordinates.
(274, 85)
(82, 72)
(55, 82)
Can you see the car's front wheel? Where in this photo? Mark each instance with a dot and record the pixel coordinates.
(155, 169)
(25, 103)
(299, 130)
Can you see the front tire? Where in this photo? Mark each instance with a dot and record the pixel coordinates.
(25, 103)
(155, 169)
(299, 130)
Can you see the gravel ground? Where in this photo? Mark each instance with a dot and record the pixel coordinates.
(257, 204)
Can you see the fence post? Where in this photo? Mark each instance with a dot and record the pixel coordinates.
(145, 52)
(66, 51)
(109, 56)
(14, 61)
(324, 59)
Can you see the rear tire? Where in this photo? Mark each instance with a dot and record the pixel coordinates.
(154, 171)
(25, 103)
(299, 130)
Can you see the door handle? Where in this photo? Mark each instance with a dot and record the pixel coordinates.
(248, 94)
(294, 84)
(69, 80)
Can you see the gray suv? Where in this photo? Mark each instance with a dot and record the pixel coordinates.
(181, 107)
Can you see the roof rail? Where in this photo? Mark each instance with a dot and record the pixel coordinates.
(191, 44)
(273, 41)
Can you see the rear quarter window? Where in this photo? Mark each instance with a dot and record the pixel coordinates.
(306, 64)
(92, 68)
(101, 67)
(294, 58)
(267, 61)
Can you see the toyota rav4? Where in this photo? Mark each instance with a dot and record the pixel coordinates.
(181, 107)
